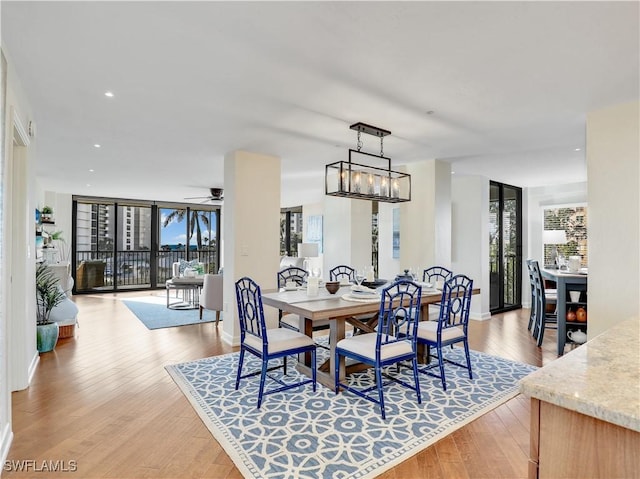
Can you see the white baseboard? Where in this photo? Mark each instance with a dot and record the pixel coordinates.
(227, 338)
(33, 366)
(6, 438)
(480, 316)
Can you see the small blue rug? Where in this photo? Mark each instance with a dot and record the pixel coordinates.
(302, 434)
(152, 311)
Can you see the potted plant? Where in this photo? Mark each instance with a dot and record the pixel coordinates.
(47, 214)
(48, 296)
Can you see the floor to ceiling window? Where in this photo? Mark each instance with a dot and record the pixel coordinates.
(505, 247)
(123, 244)
(290, 230)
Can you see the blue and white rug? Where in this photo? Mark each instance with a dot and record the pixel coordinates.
(302, 434)
(152, 311)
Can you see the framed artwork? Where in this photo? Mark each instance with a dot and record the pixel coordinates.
(396, 233)
(314, 231)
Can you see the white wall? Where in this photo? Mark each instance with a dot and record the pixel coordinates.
(613, 167)
(470, 237)
(18, 354)
(388, 266)
(347, 233)
(425, 221)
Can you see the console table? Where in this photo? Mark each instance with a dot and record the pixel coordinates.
(565, 281)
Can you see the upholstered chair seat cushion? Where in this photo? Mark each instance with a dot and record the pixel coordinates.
(279, 339)
(429, 330)
(365, 346)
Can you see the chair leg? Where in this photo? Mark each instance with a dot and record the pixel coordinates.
(380, 394)
(336, 372)
(201, 310)
(217, 317)
(466, 353)
(240, 360)
(263, 377)
(284, 365)
(416, 380)
(313, 368)
(441, 367)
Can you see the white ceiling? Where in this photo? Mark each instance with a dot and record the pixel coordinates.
(509, 83)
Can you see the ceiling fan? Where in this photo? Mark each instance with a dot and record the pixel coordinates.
(215, 195)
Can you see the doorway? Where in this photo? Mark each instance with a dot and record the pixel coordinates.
(505, 247)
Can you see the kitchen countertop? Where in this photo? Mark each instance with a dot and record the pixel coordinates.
(601, 378)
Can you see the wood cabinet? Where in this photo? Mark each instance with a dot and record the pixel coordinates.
(568, 444)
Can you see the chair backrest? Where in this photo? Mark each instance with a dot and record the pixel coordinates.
(342, 271)
(211, 296)
(293, 273)
(250, 311)
(436, 273)
(539, 299)
(456, 303)
(399, 313)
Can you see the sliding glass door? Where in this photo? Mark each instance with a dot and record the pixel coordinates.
(122, 244)
(505, 247)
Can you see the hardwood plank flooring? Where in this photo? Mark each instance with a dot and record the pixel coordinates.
(104, 400)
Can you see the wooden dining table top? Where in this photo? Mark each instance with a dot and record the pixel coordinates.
(332, 306)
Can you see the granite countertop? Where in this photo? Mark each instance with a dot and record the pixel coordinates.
(600, 379)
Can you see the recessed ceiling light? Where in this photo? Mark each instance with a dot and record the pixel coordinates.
(578, 149)
(97, 146)
(430, 112)
(109, 94)
(90, 170)
(88, 184)
(453, 172)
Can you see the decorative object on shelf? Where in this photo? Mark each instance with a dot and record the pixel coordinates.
(577, 336)
(571, 315)
(349, 179)
(554, 238)
(46, 215)
(581, 315)
(48, 296)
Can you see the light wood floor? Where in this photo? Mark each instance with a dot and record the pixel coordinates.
(104, 400)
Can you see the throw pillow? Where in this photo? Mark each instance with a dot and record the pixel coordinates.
(187, 264)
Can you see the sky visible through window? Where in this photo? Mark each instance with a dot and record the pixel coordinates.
(175, 233)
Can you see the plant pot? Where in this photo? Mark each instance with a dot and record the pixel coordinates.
(47, 337)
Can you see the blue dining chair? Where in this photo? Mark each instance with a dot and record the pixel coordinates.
(451, 327)
(433, 275)
(542, 319)
(284, 276)
(342, 271)
(390, 344)
(267, 344)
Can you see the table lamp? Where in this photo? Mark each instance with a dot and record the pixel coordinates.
(306, 251)
(554, 238)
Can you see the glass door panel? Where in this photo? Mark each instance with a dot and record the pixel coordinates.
(94, 247)
(505, 247)
(133, 247)
(173, 240)
(203, 238)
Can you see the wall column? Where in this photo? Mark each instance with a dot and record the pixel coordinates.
(251, 228)
(613, 167)
(425, 221)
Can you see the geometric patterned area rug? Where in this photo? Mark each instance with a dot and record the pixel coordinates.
(152, 311)
(302, 434)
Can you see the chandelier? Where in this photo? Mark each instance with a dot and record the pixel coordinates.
(353, 179)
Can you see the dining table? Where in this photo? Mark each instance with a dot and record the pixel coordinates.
(566, 281)
(340, 309)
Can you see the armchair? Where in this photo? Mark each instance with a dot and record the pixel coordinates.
(211, 295)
